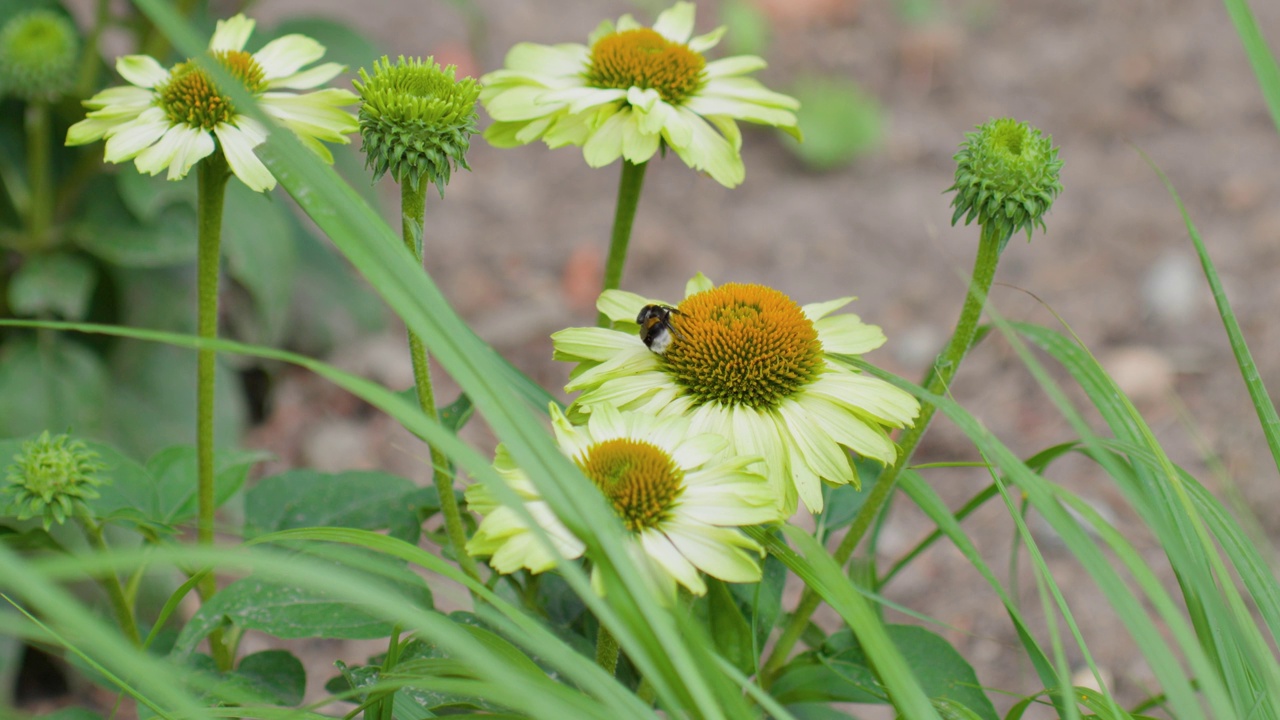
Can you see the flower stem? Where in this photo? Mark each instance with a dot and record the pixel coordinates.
(40, 215)
(606, 650)
(413, 211)
(111, 582)
(212, 189)
(936, 381)
(624, 215)
(213, 177)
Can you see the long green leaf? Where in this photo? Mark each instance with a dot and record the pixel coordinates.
(1262, 404)
(819, 571)
(1260, 57)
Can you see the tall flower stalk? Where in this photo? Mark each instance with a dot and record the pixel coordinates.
(416, 122)
(624, 216)
(173, 119)
(1006, 178)
(38, 50)
(633, 92)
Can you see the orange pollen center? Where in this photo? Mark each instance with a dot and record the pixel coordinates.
(190, 97)
(639, 479)
(746, 345)
(643, 58)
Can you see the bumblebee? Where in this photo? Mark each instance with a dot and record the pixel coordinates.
(656, 329)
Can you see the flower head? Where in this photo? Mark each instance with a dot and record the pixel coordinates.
(747, 363)
(171, 118)
(678, 503)
(38, 52)
(416, 120)
(632, 90)
(1006, 177)
(50, 476)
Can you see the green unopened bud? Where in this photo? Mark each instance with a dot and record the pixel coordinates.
(1006, 177)
(38, 53)
(50, 476)
(416, 120)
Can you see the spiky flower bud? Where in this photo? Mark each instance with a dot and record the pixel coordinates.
(38, 53)
(50, 476)
(416, 120)
(1006, 177)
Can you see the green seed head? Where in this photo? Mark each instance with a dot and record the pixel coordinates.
(416, 120)
(38, 53)
(50, 476)
(1006, 177)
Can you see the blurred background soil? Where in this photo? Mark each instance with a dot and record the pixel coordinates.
(518, 245)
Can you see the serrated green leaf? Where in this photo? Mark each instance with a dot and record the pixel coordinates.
(306, 498)
(277, 676)
(256, 603)
(163, 492)
(729, 629)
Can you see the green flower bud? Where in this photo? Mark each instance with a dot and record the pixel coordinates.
(38, 54)
(1006, 177)
(50, 476)
(416, 120)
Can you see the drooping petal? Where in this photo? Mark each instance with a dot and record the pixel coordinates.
(660, 549)
(698, 283)
(286, 55)
(142, 70)
(621, 305)
(716, 551)
(232, 33)
(848, 335)
(238, 144)
(307, 79)
(179, 149)
(732, 66)
(870, 396)
(131, 138)
(676, 22)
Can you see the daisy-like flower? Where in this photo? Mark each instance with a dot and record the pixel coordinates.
(747, 363)
(679, 504)
(632, 90)
(171, 118)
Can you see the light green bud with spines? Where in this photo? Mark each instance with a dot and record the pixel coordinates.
(39, 50)
(1006, 178)
(416, 120)
(50, 477)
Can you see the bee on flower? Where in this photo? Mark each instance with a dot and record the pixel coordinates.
(751, 365)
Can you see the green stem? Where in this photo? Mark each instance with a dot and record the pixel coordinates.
(89, 60)
(606, 650)
(413, 211)
(624, 216)
(936, 381)
(212, 188)
(111, 582)
(39, 173)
